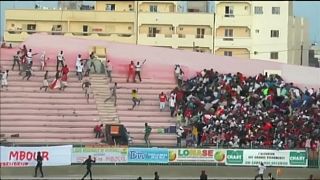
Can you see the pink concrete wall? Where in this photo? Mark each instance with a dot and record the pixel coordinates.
(160, 61)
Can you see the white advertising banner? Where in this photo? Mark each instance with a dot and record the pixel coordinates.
(26, 156)
(247, 157)
(102, 155)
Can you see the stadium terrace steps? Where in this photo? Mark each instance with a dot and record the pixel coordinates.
(53, 141)
(55, 117)
(52, 117)
(101, 90)
(148, 111)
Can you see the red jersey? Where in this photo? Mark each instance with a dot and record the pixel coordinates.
(162, 98)
(131, 67)
(65, 70)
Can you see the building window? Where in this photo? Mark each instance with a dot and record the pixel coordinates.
(228, 11)
(153, 8)
(200, 33)
(274, 33)
(258, 10)
(275, 10)
(274, 55)
(31, 27)
(153, 31)
(110, 7)
(228, 33)
(227, 53)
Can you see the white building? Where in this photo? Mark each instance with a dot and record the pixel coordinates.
(264, 30)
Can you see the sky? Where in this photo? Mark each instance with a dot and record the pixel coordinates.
(308, 9)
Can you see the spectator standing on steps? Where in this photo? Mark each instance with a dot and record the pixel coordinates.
(147, 132)
(180, 130)
(43, 60)
(88, 162)
(131, 71)
(135, 98)
(60, 60)
(4, 79)
(29, 57)
(261, 169)
(93, 57)
(16, 60)
(39, 165)
(28, 72)
(109, 70)
(79, 71)
(172, 105)
(113, 94)
(138, 70)
(163, 100)
(45, 82)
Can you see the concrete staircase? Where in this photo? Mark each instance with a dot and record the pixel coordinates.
(101, 90)
(148, 111)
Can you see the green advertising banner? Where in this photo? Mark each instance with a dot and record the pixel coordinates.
(244, 157)
(197, 155)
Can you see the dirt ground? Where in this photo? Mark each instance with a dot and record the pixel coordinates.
(146, 172)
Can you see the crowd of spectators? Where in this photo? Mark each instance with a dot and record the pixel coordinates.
(237, 111)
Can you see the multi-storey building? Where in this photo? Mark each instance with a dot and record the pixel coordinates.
(260, 30)
(247, 29)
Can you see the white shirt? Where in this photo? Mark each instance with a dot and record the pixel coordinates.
(172, 102)
(29, 56)
(43, 57)
(261, 169)
(4, 76)
(177, 71)
(138, 67)
(78, 62)
(109, 66)
(179, 132)
(60, 57)
(79, 68)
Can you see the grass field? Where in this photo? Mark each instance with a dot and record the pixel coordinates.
(146, 172)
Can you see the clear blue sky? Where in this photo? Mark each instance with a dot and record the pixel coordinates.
(307, 9)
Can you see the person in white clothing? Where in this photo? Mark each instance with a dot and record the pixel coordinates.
(60, 60)
(109, 70)
(172, 105)
(138, 70)
(43, 60)
(179, 136)
(29, 57)
(79, 71)
(4, 79)
(78, 61)
(261, 169)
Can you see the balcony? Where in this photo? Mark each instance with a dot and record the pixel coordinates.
(20, 36)
(236, 20)
(176, 40)
(233, 42)
(69, 15)
(176, 19)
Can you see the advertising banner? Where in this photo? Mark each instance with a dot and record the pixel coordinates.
(197, 155)
(148, 155)
(26, 156)
(102, 155)
(289, 158)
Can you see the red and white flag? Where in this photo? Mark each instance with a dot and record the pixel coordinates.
(55, 84)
